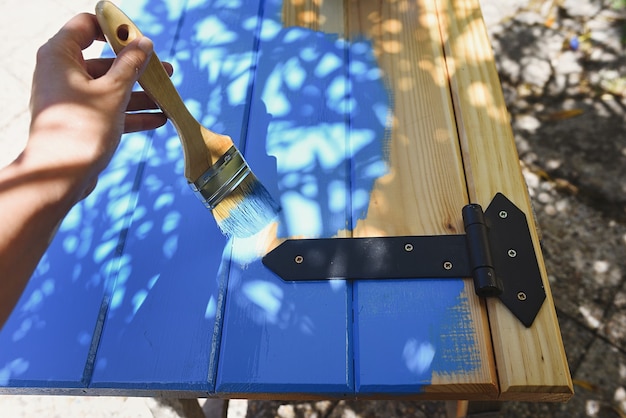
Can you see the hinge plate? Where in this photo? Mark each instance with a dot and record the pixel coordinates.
(426, 257)
(523, 291)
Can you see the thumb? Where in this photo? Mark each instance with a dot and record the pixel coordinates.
(131, 61)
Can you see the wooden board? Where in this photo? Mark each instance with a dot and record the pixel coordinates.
(287, 340)
(531, 361)
(439, 340)
(163, 333)
(362, 118)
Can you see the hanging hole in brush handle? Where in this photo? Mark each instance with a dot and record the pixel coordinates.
(122, 33)
(119, 30)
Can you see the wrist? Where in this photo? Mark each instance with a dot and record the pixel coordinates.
(53, 182)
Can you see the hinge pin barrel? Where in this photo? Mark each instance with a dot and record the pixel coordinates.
(486, 283)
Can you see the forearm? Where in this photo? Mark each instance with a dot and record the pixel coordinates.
(78, 114)
(34, 198)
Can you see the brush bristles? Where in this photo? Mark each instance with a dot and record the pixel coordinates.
(246, 210)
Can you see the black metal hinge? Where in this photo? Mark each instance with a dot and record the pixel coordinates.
(496, 251)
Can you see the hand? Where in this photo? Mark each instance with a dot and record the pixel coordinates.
(79, 111)
(79, 107)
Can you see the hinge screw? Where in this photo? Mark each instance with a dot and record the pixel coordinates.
(521, 296)
(503, 214)
(408, 247)
(447, 265)
(512, 253)
(299, 259)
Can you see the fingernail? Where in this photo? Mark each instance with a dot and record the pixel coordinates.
(146, 45)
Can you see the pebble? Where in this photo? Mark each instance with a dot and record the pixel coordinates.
(601, 266)
(592, 408)
(581, 8)
(286, 411)
(544, 197)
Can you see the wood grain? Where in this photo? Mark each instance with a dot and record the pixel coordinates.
(326, 15)
(148, 269)
(424, 190)
(531, 361)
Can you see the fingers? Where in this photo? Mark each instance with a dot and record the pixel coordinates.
(99, 66)
(136, 122)
(82, 29)
(130, 62)
(139, 100)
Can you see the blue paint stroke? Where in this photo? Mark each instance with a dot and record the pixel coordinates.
(403, 336)
(321, 104)
(316, 138)
(282, 337)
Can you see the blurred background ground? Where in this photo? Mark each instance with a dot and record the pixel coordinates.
(563, 70)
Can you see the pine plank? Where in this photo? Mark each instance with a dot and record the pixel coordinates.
(397, 101)
(422, 194)
(531, 362)
(163, 326)
(292, 340)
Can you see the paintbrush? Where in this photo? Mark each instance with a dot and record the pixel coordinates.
(214, 167)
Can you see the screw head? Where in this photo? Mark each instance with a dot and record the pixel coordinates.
(503, 214)
(299, 259)
(447, 265)
(408, 247)
(521, 296)
(512, 253)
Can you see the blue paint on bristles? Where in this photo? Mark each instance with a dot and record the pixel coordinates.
(246, 210)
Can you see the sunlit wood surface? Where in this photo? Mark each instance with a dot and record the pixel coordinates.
(362, 118)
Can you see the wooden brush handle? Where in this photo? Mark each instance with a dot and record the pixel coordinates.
(201, 147)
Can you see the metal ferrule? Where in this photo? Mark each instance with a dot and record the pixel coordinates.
(221, 178)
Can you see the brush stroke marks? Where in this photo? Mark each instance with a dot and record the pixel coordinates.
(403, 335)
(314, 145)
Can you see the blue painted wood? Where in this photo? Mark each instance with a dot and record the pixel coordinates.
(407, 330)
(163, 326)
(141, 292)
(282, 337)
(48, 340)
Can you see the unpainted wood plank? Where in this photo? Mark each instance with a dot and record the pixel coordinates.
(432, 334)
(292, 340)
(162, 329)
(531, 361)
(326, 15)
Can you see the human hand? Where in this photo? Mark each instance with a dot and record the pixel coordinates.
(79, 107)
(79, 111)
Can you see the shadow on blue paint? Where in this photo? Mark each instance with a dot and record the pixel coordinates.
(120, 255)
(322, 106)
(319, 107)
(126, 259)
(141, 257)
